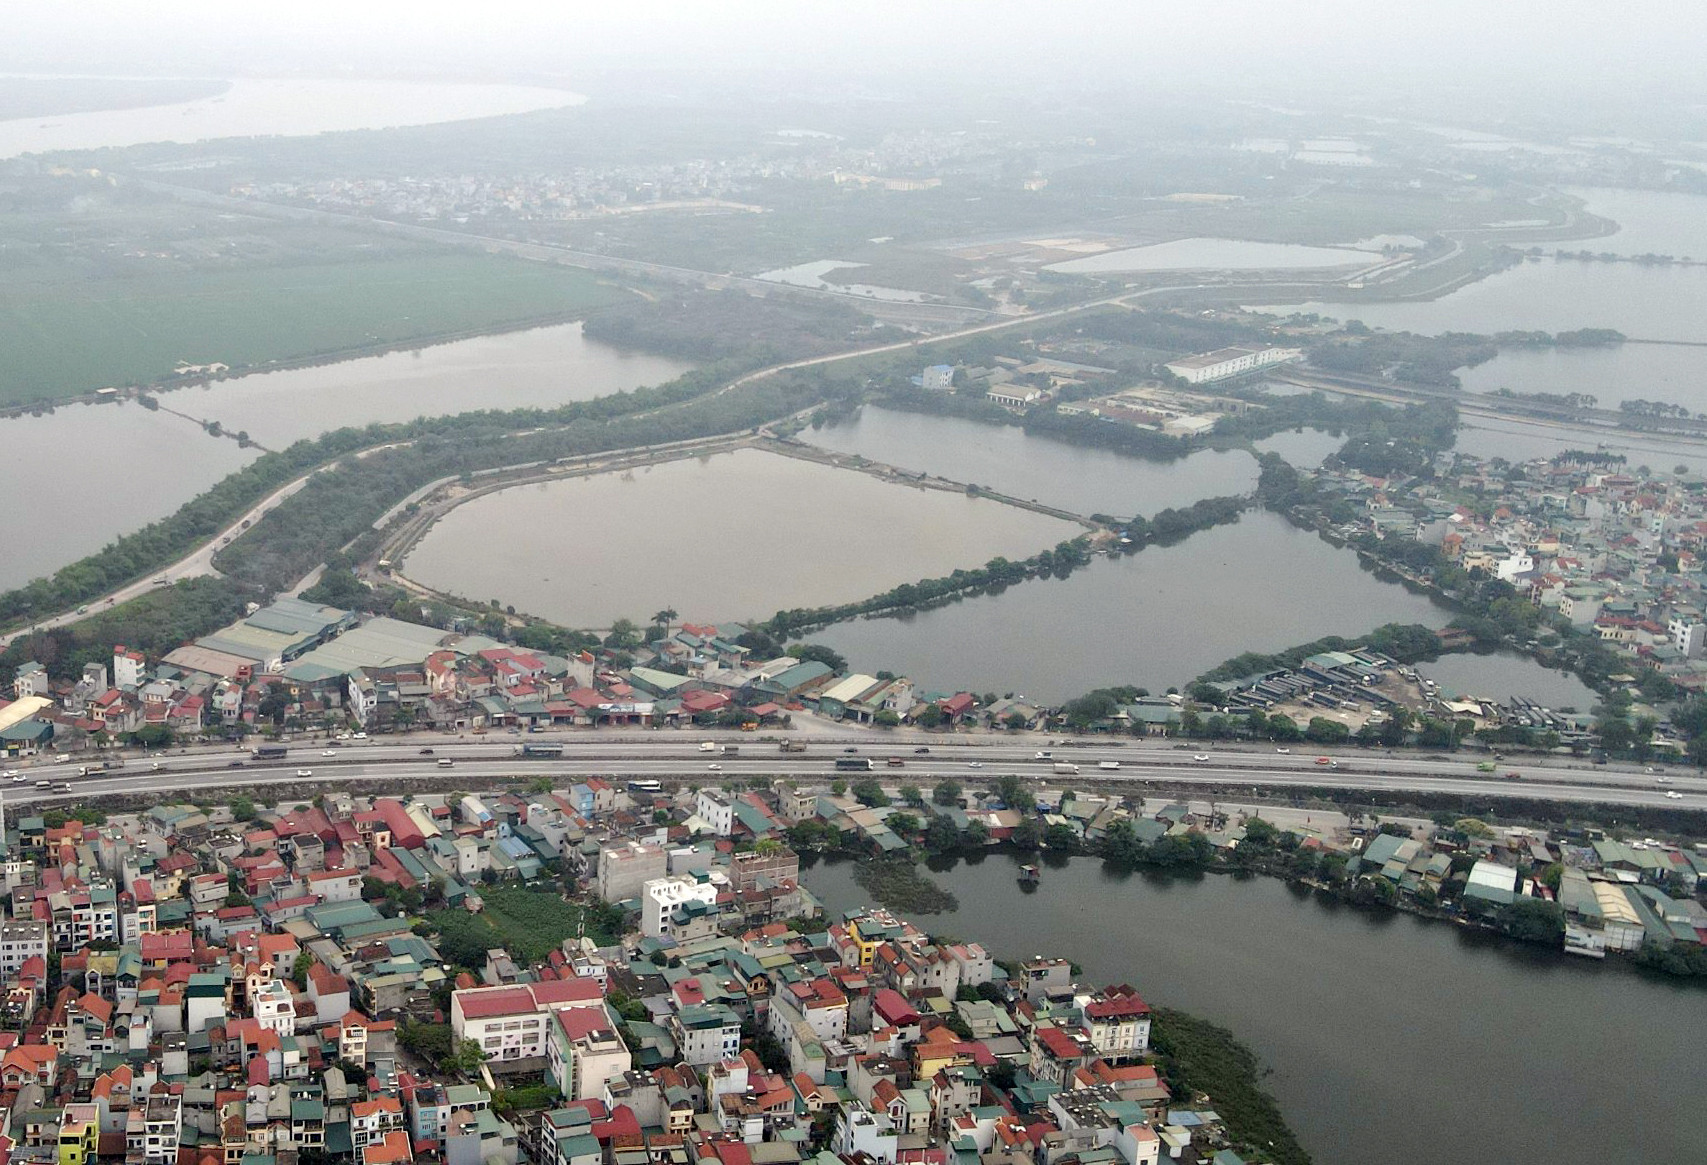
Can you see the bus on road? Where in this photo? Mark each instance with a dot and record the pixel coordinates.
(856, 764)
(540, 750)
(270, 752)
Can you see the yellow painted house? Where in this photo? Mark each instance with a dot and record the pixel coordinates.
(79, 1134)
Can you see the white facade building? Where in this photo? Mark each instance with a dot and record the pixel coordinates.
(20, 942)
(513, 1023)
(1227, 362)
(662, 897)
(717, 810)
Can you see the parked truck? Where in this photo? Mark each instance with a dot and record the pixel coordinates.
(1064, 769)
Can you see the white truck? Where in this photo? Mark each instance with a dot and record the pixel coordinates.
(1064, 769)
(1108, 764)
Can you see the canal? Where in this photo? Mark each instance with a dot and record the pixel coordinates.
(1390, 1038)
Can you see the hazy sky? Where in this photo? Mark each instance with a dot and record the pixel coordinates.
(1646, 46)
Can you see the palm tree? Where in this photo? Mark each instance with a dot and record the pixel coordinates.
(665, 617)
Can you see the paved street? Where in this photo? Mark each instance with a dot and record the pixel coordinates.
(676, 756)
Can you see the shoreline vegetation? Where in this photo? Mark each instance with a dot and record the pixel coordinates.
(1199, 1056)
(1165, 528)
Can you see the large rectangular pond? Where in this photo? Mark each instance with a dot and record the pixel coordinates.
(1007, 459)
(733, 536)
(135, 466)
(96, 472)
(537, 368)
(1155, 619)
(1391, 1039)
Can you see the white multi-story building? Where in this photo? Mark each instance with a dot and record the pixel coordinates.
(584, 1052)
(717, 810)
(20, 942)
(512, 1023)
(1226, 362)
(154, 1128)
(1118, 1022)
(665, 902)
(128, 666)
(1687, 636)
(273, 1007)
(706, 1033)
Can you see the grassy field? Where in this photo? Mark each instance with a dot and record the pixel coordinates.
(527, 923)
(67, 337)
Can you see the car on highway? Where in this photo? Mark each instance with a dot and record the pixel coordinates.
(716, 768)
(426, 752)
(236, 764)
(305, 772)
(921, 751)
(1201, 756)
(1662, 780)
(1674, 794)
(1044, 755)
(1283, 751)
(974, 764)
(1329, 761)
(329, 752)
(9, 773)
(16, 777)
(358, 736)
(850, 750)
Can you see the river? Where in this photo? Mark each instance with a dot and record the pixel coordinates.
(1391, 1038)
(261, 108)
(133, 466)
(736, 535)
(1155, 619)
(1007, 459)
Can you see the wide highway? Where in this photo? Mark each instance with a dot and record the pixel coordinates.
(677, 756)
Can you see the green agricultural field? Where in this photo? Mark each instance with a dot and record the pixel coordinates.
(64, 337)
